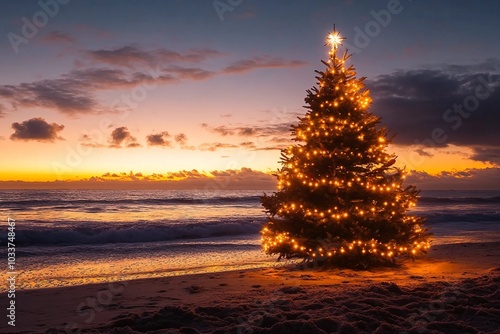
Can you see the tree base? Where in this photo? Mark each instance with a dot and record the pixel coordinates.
(364, 263)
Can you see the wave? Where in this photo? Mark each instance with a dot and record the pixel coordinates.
(62, 204)
(447, 217)
(74, 203)
(92, 233)
(459, 200)
(85, 233)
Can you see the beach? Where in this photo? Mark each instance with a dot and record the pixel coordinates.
(192, 262)
(66, 238)
(455, 289)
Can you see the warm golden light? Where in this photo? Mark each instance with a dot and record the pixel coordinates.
(334, 40)
(318, 170)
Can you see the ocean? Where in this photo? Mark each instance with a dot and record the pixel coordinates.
(77, 237)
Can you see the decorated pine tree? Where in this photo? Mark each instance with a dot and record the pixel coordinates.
(340, 200)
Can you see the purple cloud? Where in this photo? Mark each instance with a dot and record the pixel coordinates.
(36, 129)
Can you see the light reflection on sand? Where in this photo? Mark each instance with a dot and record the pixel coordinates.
(87, 272)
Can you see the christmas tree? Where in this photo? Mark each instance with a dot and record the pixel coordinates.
(340, 200)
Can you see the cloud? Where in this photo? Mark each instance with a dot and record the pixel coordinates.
(258, 62)
(87, 141)
(215, 146)
(247, 178)
(130, 56)
(269, 137)
(486, 66)
(461, 180)
(58, 37)
(126, 67)
(106, 78)
(456, 104)
(124, 56)
(423, 153)
(64, 95)
(159, 139)
(246, 131)
(120, 136)
(248, 144)
(243, 131)
(244, 178)
(190, 73)
(222, 130)
(271, 148)
(181, 139)
(281, 140)
(487, 154)
(73, 93)
(36, 129)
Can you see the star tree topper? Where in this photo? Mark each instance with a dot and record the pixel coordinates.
(334, 40)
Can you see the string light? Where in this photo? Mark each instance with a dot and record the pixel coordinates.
(341, 181)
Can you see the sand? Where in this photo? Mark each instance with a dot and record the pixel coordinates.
(455, 289)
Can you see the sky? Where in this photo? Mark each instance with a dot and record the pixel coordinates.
(201, 94)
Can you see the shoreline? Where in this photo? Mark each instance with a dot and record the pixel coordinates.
(72, 308)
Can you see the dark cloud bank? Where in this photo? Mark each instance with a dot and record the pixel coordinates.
(457, 104)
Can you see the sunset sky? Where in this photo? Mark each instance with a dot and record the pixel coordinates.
(98, 93)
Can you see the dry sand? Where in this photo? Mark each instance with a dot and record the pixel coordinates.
(455, 289)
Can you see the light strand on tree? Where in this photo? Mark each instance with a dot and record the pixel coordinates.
(339, 195)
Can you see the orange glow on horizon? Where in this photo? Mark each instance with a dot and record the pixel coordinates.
(450, 159)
